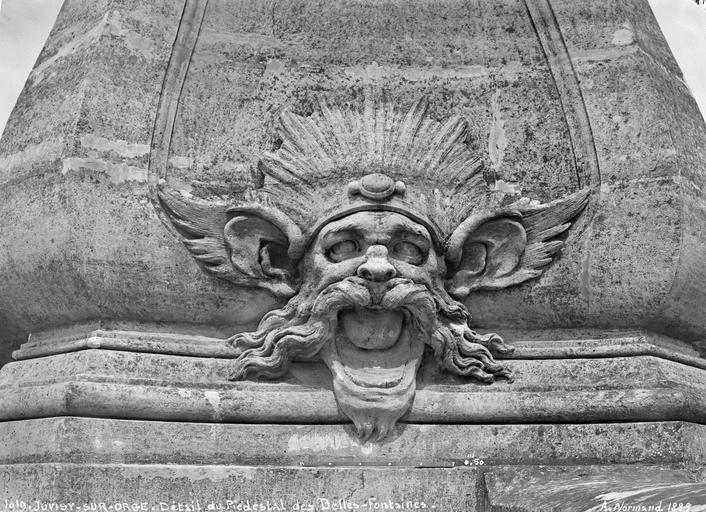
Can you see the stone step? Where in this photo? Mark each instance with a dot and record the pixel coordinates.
(107, 441)
(119, 384)
(207, 488)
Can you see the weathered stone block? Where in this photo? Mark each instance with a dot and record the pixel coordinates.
(109, 441)
(84, 166)
(119, 488)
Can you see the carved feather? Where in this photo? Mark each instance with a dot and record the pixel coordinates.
(339, 143)
(532, 250)
(201, 224)
(232, 242)
(544, 222)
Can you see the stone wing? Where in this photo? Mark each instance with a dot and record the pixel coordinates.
(247, 245)
(201, 226)
(543, 223)
(500, 249)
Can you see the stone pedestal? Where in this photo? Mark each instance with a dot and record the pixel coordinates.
(103, 414)
(558, 96)
(118, 397)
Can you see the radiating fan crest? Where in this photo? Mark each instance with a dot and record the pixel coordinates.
(321, 153)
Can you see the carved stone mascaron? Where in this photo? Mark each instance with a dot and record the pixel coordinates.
(373, 222)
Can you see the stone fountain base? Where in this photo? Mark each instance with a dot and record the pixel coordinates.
(591, 420)
(115, 465)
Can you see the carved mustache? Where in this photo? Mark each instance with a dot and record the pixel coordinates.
(398, 293)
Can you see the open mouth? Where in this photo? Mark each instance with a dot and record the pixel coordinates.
(372, 328)
(375, 347)
(374, 356)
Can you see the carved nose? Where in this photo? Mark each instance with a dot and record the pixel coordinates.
(376, 266)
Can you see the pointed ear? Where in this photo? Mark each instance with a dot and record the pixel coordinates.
(246, 245)
(501, 249)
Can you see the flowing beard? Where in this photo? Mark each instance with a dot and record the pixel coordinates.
(297, 331)
(463, 351)
(373, 394)
(374, 388)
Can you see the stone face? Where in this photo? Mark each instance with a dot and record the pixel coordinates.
(371, 267)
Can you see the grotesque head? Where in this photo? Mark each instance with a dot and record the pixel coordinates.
(371, 266)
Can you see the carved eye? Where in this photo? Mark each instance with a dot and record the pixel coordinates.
(343, 250)
(409, 252)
